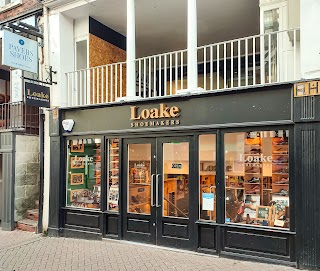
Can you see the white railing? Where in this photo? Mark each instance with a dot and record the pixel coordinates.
(256, 60)
(96, 85)
(161, 75)
(260, 59)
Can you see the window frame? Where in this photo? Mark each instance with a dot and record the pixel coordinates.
(292, 192)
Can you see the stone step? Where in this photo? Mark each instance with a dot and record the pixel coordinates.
(33, 214)
(27, 225)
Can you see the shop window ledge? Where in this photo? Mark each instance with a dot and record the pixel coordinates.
(250, 227)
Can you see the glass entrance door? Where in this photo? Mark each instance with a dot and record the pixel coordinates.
(157, 208)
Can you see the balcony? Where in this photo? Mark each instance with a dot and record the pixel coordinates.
(19, 117)
(235, 64)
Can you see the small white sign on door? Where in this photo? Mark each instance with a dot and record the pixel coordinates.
(207, 201)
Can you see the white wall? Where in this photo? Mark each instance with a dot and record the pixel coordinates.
(61, 58)
(81, 28)
(61, 50)
(310, 38)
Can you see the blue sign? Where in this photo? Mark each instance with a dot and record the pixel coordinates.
(19, 52)
(207, 201)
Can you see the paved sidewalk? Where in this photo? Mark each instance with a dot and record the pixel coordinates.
(26, 251)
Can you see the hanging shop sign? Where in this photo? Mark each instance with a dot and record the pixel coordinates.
(160, 116)
(19, 52)
(37, 95)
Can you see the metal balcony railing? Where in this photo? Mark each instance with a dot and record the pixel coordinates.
(18, 116)
(260, 59)
(257, 60)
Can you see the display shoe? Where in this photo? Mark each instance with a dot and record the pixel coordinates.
(237, 219)
(254, 190)
(283, 181)
(281, 141)
(253, 170)
(281, 170)
(134, 199)
(280, 160)
(282, 192)
(254, 180)
(254, 151)
(253, 141)
(283, 217)
(138, 210)
(240, 181)
(248, 220)
(249, 199)
(281, 151)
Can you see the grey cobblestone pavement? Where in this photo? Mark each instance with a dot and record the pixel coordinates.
(26, 251)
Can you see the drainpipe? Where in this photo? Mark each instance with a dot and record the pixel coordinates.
(42, 118)
(41, 149)
(192, 46)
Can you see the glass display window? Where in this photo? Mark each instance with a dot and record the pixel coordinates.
(207, 176)
(139, 184)
(257, 178)
(113, 168)
(84, 173)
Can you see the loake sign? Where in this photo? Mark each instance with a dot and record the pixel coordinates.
(161, 116)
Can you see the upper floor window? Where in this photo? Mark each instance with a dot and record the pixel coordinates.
(9, 4)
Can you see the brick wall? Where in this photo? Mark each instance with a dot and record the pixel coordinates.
(26, 7)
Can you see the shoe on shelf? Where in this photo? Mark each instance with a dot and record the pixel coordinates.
(282, 192)
(253, 170)
(134, 199)
(280, 160)
(254, 151)
(281, 151)
(283, 181)
(254, 190)
(249, 199)
(254, 180)
(281, 141)
(253, 141)
(281, 170)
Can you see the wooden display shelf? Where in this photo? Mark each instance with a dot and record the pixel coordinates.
(204, 172)
(139, 204)
(141, 183)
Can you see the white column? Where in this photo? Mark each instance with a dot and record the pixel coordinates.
(192, 46)
(131, 49)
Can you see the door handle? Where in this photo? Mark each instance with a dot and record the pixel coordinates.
(152, 181)
(157, 190)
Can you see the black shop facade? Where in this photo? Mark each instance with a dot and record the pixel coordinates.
(230, 174)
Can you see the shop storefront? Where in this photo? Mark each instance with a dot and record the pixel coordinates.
(210, 173)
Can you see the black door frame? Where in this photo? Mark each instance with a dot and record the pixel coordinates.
(142, 227)
(151, 225)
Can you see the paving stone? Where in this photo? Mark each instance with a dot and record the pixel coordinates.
(27, 251)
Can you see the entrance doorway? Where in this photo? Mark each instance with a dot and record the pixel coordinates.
(156, 203)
